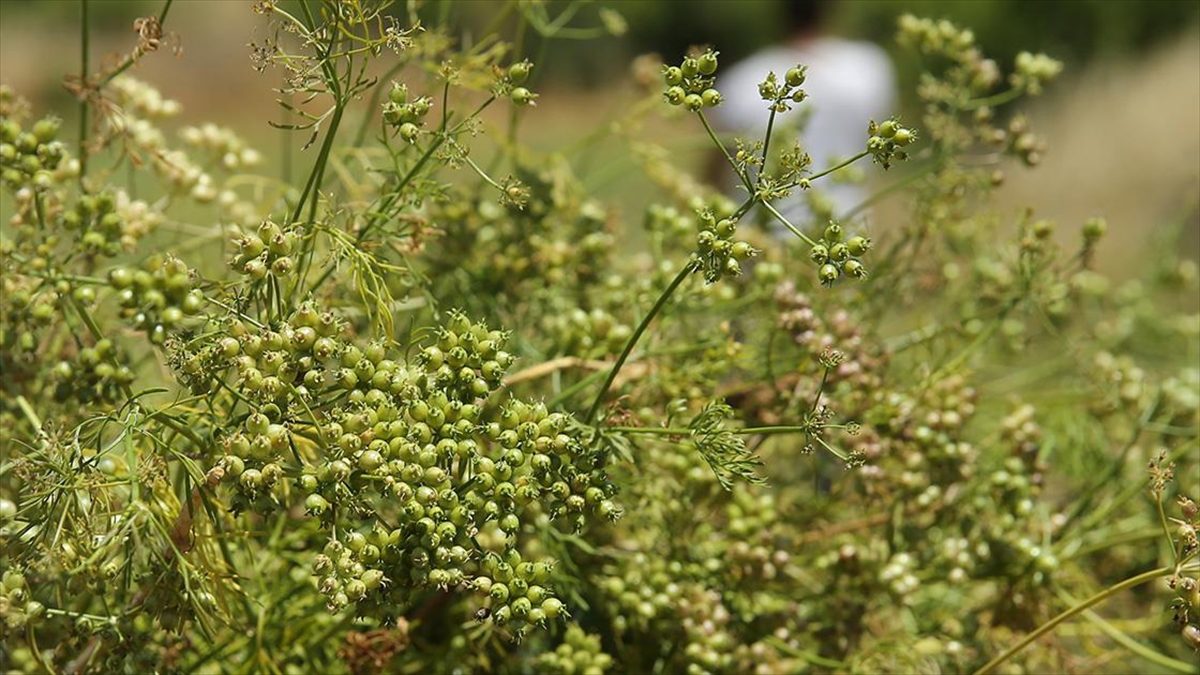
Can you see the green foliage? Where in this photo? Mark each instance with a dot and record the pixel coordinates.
(724, 451)
(433, 410)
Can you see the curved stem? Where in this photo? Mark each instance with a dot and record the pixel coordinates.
(1050, 625)
(637, 334)
(1130, 643)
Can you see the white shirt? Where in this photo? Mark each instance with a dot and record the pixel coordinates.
(848, 83)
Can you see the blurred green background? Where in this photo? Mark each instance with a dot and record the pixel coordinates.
(1123, 124)
(1075, 31)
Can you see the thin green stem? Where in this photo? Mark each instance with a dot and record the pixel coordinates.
(1050, 625)
(285, 142)
(716, 141)
(786, 223)
(1135, 488)
(1084, 502)
(838, 167)
(767, 141)
(326, 59)
(84, 59)
(683, 431)
(1126, 641)
(29, 412)
(574, 389)
(483, 174)
(811, 657)
(315, 181)
(313, 186)
(832, 450)
(31, 638)
(913, 177)
(652, 431)
(1162, 520)
(772, 430)
(248, 319)
(381, 214)
(688, 268)
(995, 99)
(820, 389)
(1112, 540)
(514, 116)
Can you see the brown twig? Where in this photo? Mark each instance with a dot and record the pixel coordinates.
(874, 520)
(843, 527)
(547, 367)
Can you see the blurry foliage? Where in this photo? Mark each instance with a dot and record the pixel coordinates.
(1075, 31)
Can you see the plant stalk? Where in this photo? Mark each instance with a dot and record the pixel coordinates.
(1050, 625)
(637, 334)
(84, 60)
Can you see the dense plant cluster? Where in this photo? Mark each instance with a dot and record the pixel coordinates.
(443, 410)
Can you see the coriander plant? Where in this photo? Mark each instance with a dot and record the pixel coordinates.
(416, 408)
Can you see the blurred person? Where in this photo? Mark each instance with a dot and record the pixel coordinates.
(848, 83)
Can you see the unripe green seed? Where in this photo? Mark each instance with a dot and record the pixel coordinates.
(398, 94)
(858, 245)
(552, 607)
(519, 72)
(522, 96)
(855, 269)
(819, 254)
(741, 250)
